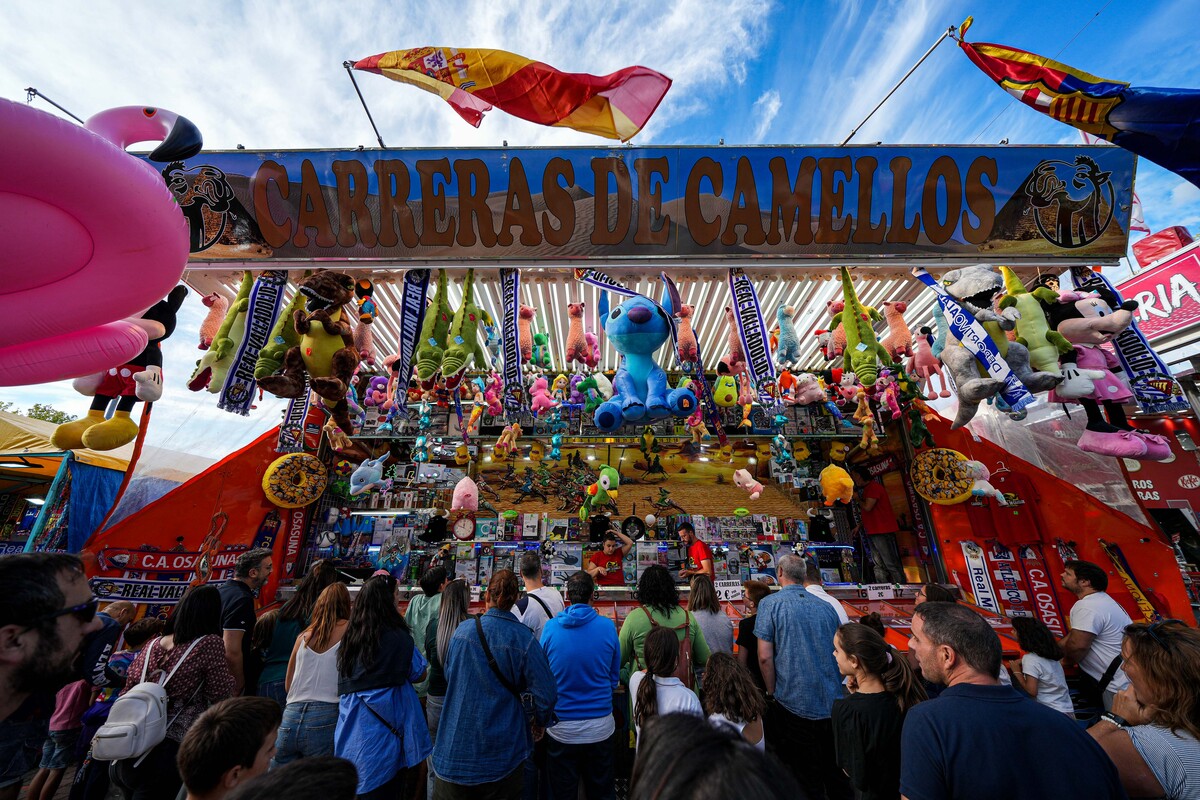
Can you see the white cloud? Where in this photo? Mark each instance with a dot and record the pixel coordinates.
(766, 107)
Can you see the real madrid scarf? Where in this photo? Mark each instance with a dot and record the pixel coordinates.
(510, 345)
(966, 329)
(752, 330)
(265, 297)
(1154, 388)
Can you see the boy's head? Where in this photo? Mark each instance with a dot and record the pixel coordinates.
(229, 744)
(142, 631)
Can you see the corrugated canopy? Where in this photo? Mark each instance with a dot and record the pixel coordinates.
(550, 289)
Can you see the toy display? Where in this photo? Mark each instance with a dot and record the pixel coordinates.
(141, 379)
(212, 368)
(744, 480)
(435, 327)
(636, 329)
(295, 480)
(836, 485)
(788, 350)
(863, 351)
(925, 366)
(217, 306)
(1033, 329)
(462, 343)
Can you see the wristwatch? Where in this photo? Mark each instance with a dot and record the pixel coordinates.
(1115, 719)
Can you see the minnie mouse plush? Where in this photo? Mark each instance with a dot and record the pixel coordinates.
(1089, 320)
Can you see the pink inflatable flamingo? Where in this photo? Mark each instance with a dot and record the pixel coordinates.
(89, 236)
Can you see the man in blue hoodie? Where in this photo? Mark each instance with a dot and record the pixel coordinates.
(585, 657)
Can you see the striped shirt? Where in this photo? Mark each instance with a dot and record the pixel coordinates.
(1173, 757)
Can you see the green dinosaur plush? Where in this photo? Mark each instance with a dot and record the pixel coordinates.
(918, 432)
(863, 351)
(1033, 328)
(462, 339)
(283, 338)
(541, 350)
(211, 370)
(431, 347)
(600, 493)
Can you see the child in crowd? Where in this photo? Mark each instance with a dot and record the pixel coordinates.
(656, 690)
(867, 723)
(1039, 672)
(58, 752)
(731, 698)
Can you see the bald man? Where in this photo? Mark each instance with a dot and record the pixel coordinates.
(103, 643)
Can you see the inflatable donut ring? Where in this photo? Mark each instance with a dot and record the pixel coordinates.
(294, 480)
(938, 476)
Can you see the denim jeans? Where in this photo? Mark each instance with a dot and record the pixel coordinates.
(273, 690)
(567, 764)
(886, 558)
(306, 730)
(433, 716)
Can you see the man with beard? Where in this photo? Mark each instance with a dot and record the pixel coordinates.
(250, 574)
(46, 611)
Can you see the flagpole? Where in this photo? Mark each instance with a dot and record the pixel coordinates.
(941, 39)
(349, 71)
(31, 93)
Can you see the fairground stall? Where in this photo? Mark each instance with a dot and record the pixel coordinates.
(490, 351)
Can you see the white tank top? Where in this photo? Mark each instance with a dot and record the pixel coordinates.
(316, 677)
(721, 719)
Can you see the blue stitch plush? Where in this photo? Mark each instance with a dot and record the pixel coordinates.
(637, 329)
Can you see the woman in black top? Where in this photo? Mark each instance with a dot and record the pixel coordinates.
(867, 723)
(747, 642)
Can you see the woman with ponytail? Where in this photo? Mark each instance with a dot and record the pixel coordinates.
(867, 724)
(655, 690)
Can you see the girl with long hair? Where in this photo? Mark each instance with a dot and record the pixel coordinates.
(867, 723)
(714, 622)
(1152, 733)
(294, 616)
(731, 698)
(659, 599)
(454, 610)
(194, 645)
(311, 680)
(656, 690)
(380, 727)
(1039, 672)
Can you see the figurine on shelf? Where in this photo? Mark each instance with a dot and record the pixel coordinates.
(478, 404)
(506, 445)
(529, 488)
(781, 451)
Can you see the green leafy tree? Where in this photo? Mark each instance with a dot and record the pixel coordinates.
(6, 405)
(48, 413)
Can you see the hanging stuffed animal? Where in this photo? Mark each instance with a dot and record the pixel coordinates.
(836, 485)
(364, 292)
(1032, 328)
(577, 344)
(435, 327)
(889, 394)
(576, 396)
(283, 338)
(744, 480)
(462, 338)
(466, 495)
(325, 352)
(506, 445)
(539, 396)
(376, 393)
(637, 329)
(217, 308)
(725, 391)
(1089, 320)
(491, 336)
(981, 487)
(781, 452)
(492, 390)
(140, 379)
(600, 493)
(899, 339)
(364, 343)
(808, 390)
(214, 365)
(541, 351)
(734, 360)
(368, 476)
(835, 345)
(593, 343)
(788, 351)
(687, 345)
(525, 331)
(863, 352)
(918, 432)
(924, 366)
(697, 428)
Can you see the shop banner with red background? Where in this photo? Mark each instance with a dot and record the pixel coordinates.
(1168, 296)
(1174, 483)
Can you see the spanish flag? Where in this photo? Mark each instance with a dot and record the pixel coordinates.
(614, 106)
(1162, 125)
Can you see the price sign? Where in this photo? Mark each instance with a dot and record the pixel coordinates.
(476, 594)
(879, 591)
(728, 591)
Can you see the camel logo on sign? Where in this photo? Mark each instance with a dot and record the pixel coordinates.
(1072, 202)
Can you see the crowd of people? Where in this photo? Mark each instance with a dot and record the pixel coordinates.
(333, 698)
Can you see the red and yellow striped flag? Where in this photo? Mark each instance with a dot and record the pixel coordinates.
(474, 81)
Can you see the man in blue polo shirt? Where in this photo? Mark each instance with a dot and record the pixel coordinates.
(795, 631)
(981, 740)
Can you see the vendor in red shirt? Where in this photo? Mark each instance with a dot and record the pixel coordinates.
(605, 566)
(880, 525)
(700, 558)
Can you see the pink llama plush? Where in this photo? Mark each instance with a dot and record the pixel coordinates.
(577, 344)
(689, 349)
(899, 339)
(364, 342)
(525, 331)
(540, 399)
(923, 365)
(734, 360)
(217, 307)
(593, 344)
(837, 338)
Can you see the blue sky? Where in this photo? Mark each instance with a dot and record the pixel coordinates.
(268, 75)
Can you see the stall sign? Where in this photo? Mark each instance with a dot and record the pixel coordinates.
(1008, 580)
(1168, 296)
(729, 591)
(878, 591)
(530, 205)
(1174, 482)
(112, 558)
(161, 592)
(1041, 584)
(981, 582)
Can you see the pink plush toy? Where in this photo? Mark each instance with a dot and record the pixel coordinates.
(746, 394)
(593, 348)
(888, 393)
(733, 361)
(809, 390)
(540, 399)
(491, 395)
(364, 343)
(525, 331)
(847, 388)
(217, 307)
(376, 394)
(899, 339)
(466, 496)
(837, 337)
(924, 365)
(577, 344)
(688, 347)
(744, 480)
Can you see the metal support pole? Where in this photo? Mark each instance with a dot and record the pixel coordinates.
(350, 71)
(31, 93)
(941, 39)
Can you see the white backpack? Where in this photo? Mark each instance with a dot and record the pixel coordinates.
(137, 722)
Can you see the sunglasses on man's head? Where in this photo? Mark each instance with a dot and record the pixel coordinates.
(84, 612)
